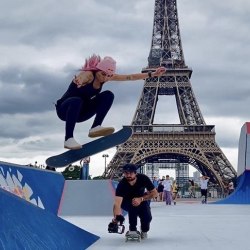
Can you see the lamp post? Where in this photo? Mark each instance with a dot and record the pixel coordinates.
(105, 162)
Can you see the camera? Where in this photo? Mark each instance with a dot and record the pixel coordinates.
(116, 226)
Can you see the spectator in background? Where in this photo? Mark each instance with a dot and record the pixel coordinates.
(155, 182)
(50, 168)
(191, 189)
(167, 190)
(230, 187)
(203, 184)
(174, 191)
(160, 191)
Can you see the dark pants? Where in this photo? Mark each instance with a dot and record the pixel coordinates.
(76, 109)
(204, 193)
(143, 211)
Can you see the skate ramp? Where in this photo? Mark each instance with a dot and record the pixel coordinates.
(87, 198)
(244, 149)
(26, 226)
(38, 186)
(241, 195)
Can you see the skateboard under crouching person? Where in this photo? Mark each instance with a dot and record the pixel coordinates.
(133, 236)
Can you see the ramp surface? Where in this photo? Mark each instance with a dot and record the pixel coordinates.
(26, 226)
(88, 197)
(241, 195)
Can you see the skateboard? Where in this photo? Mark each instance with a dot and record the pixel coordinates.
(88, 149)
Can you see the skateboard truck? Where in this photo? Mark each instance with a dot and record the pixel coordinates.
(116, 225)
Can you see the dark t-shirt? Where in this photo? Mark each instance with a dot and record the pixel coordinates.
(128, 192)
(160, 188)
(86, 92)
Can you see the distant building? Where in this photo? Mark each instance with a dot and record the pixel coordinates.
(182, 174)
(181, 171)
(151, 170)
(196, 176)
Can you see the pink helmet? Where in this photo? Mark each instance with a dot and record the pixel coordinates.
(107, 64)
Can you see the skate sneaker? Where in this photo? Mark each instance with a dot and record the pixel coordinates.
(71, 143)
(100, 131)
(144, 235)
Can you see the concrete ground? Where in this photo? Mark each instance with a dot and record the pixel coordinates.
(188, 225)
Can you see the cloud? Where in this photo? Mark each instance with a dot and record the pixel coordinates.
(43, 44)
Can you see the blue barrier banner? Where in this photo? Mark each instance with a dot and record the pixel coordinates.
(40, 187)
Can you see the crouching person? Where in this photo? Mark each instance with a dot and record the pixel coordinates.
(131, 197)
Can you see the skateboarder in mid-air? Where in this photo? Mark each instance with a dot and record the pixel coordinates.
(84, 98)
(130, 196)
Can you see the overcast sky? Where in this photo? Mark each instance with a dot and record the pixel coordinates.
(44, 43)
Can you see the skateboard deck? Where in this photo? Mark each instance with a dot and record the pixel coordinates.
(88, 149)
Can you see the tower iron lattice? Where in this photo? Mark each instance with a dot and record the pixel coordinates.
(191, 141)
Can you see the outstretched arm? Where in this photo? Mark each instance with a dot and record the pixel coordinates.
(139, 76)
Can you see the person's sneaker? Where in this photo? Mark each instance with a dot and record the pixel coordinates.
(71, 143)
(132, 233)
(100, 131)
(144, 235)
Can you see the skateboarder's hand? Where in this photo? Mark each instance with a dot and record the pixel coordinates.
(159, 71)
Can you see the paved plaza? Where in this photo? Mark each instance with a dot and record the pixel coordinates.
(187, 226)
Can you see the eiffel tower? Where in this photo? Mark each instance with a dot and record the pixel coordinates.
(191, 141)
